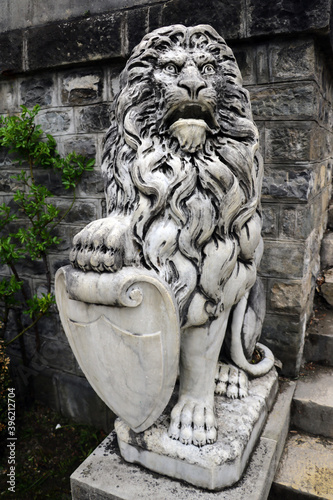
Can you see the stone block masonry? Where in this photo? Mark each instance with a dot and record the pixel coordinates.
(68, 61)
(75, 110)
(291, 96)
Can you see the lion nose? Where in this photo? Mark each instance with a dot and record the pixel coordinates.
(192, 82)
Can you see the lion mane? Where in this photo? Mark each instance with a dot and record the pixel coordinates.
(189, 210)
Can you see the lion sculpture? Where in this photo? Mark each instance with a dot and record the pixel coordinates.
(183, 178)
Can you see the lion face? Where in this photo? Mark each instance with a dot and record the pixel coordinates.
(188, 82)
(178, 73)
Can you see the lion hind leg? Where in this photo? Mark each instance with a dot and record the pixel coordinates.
(231, 381)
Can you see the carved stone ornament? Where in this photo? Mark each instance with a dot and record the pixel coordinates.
(168, 280)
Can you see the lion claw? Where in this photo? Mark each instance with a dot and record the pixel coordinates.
(103, 245)
(231, 382)
(193, 422)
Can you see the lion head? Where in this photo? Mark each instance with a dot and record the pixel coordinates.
(181, 157)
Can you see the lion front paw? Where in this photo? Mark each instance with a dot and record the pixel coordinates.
(230, 381)
(193, 422)
(102, 245)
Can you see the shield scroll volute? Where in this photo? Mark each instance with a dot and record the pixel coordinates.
(126, 342)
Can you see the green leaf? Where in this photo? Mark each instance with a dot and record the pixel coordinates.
(29, 233)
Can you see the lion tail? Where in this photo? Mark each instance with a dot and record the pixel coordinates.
(236, 347)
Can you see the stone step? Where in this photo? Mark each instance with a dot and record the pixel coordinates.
(312, 409)
(305, 470)
(319, 339)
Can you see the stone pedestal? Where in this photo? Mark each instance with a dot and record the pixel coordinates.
(215, 466)
(106, 475)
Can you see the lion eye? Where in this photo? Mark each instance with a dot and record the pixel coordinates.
(171, 68)
(208, 69)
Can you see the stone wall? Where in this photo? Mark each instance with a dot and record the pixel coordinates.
(70, 66)
(291, 95)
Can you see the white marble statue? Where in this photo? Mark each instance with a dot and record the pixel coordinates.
(183, 178)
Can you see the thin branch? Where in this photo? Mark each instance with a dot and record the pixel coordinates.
(25, 296)
(67, 211)
(33, 324)
(47, 272)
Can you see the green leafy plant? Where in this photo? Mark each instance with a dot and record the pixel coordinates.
(27, 228)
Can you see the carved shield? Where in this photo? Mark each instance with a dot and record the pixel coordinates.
(124, 331)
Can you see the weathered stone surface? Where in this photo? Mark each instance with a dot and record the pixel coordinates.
(53, 353)
(14, 317)
(292, 60)
(312, 248)
(56, 121)
(296, 221)
(91, 184)
(96, 478)
(295, 183)
(305, 470)
(228, 18)
(283, 261)
(327, 287)
(284, 334)
(88, 408)
(113, 82)
(94, 118)
(11, 60)
(289, 297)
(288, 142)
(154, 16)
(297, 101)
(57, 261)
(84, 145)
(326, 251)
(30, 267)
(26, 13)
(8, 99)
(136, 27)
(51, 180)
(83, 40)
(270, 220)
(319, 341)
(82, 86)
(45, 388)
(66, 233)
(49, 326)
(111, 329)
(37, 91)
(313, 402)
(245, 56)
(80, 212)
(277, 425)
(288, 16)
(8, 184)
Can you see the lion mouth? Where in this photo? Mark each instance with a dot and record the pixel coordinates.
(189, 124)
(192, 111)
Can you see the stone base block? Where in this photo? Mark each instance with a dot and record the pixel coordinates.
(212, 467)
(106, 475)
